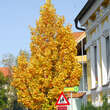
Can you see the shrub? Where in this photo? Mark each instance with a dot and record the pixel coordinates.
(105, 105)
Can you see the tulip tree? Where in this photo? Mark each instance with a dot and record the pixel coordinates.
(52, 65)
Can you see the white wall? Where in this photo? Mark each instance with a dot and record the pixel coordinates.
(76, 104)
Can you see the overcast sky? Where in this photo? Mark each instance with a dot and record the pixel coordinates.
(17, 15)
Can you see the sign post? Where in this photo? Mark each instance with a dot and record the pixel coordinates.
(71, 102)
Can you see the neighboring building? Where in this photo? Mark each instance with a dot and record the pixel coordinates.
(5, 70)
(7, 73)
(78, 98)
(95, 20)
(80, 38)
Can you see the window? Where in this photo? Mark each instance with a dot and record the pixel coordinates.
(79, 47)
(95, 63)
(107, 53)
(83, 82)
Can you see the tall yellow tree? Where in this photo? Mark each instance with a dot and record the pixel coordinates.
(52, 65)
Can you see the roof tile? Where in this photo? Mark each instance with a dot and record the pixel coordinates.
(78, 35)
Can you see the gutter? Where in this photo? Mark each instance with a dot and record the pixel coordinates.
(87, 6)
(76, 25)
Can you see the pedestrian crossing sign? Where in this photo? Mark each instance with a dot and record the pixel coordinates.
(62, 100)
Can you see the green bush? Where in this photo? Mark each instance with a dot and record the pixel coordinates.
(3, 91)
(105, 105)
(89, 106)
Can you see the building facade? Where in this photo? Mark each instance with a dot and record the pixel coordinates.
(95, 20)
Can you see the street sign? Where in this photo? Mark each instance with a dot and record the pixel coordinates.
(62, 108)
(71, 89)
(62, 100)
(76, 89)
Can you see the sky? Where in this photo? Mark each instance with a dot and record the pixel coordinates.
(17, 15)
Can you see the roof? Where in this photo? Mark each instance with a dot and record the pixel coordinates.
(78, 36)
(86, 7)
(75, 95)
(5, 71)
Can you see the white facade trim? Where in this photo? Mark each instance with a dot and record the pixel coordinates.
(91, 11)
(95, 25)
(92, 57)
(98, 90)
(98, 64)
(104, 60)
(99, 20)
(105, 33)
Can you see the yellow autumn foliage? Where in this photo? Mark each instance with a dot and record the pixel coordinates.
(52, 65)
